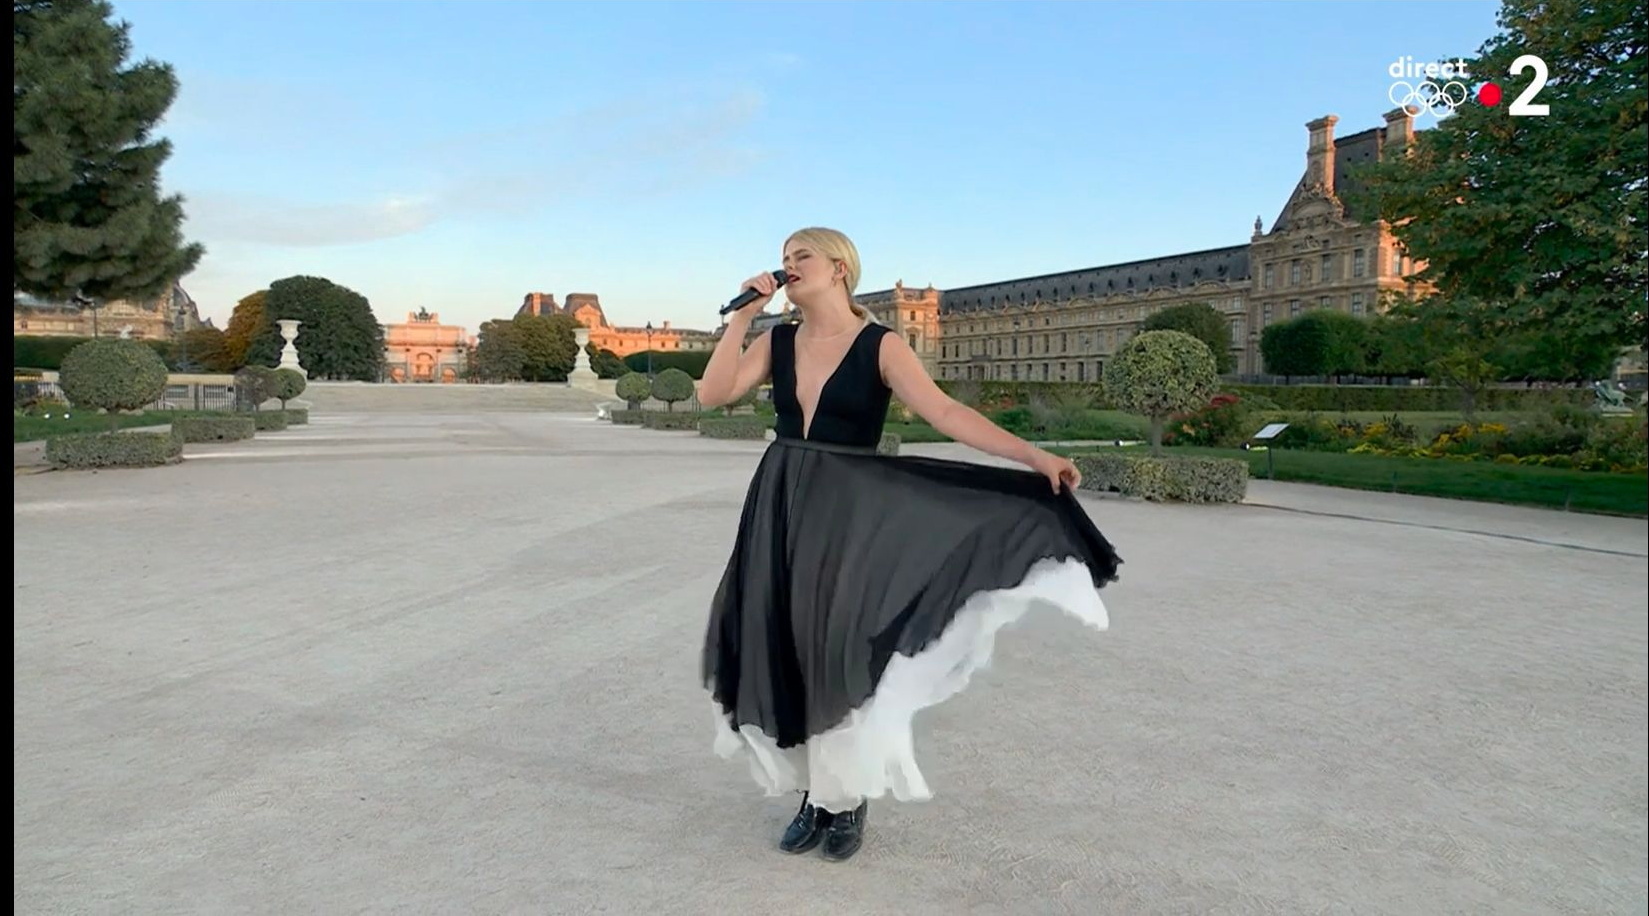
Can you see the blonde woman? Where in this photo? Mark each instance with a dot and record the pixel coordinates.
(862, 589)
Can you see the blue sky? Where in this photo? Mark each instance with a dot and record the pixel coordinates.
(455, 156)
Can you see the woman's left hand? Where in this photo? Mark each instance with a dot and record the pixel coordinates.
(1058, 470)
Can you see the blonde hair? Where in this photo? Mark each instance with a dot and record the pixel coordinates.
(839, 249)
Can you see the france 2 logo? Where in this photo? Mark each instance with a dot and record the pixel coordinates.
(1441, 89)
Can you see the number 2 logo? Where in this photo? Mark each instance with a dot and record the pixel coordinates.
(1523, 106)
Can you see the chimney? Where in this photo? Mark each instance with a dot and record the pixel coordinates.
(1399, 128)
(1319, 155)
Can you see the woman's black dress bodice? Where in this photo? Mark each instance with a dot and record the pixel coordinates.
(853, 402)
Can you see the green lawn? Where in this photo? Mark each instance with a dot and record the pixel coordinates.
(1482, 481)
(30, 429)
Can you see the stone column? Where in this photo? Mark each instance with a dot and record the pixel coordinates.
(289, 353)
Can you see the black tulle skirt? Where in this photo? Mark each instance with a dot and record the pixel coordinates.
(863, 589)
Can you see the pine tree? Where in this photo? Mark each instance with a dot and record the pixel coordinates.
(89, 219)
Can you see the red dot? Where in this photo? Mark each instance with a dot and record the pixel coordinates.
(1489, 95)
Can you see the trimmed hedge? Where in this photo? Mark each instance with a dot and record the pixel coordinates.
(268, 420)
(296, 416)
(628, 417)
(1384, 398)
(745, 427)
(1178, 479)
(1395, 399)
(214, 429)
(669, 420)
(114, 450)
(48, 352)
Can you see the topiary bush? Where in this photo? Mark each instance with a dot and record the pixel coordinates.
(296, 416)
(253, 386)
(629, 417)
(269, 420)
(214, 429)
(289, 383)
(633, 389)
(673, 385)
(114, 450)
(1191, 480)
(1158, 374)
(112, 375)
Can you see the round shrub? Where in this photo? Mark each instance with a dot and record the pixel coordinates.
(112, 375)
(634, 388)
(673, 385)
(289, 383)
(253, 386)
(1157, 374)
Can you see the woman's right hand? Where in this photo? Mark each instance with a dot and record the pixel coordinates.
(762, 283)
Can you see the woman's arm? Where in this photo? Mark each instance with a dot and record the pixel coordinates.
(904, 373)
(732, 369)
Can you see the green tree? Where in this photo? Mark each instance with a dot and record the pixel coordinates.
(340, 338)
(1347, 341)
(1394, 348)
(634, 388)
(88, 216)
(548, 346)
(1539, 218)
(499, 355)
(1285, 351)
(289, 383)
(605, 363)
(1200, 320)
(1458, 339)
(673, 385)
(1158, 374)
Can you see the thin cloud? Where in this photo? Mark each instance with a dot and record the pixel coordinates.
(269, 221)
(623, 148)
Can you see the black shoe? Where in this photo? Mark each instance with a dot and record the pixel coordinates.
(845, 834)
(806, 829)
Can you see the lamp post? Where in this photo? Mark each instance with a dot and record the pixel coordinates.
(85, 302)
(649, 349)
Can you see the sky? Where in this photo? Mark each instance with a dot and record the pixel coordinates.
(456, 156)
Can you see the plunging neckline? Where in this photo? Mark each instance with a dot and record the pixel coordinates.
(796, 389)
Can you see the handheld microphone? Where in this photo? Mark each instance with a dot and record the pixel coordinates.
(745, 298)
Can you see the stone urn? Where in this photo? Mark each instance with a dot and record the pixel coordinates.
(289, 353)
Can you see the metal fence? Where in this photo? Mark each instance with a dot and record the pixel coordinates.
(187, 396)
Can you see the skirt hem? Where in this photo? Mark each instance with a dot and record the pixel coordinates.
(870, 753)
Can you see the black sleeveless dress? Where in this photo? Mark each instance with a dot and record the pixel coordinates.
(864, 588)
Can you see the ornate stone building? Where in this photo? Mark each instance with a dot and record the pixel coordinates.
(585, 308)
(159, 318)
(913, 314)
(1062, 327)
(422, 349)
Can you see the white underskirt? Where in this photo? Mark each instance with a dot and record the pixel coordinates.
(871, 753)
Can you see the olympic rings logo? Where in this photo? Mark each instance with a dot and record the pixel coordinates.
(1429, 96)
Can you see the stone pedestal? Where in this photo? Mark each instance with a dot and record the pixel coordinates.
(289, 353)
(582, 375)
